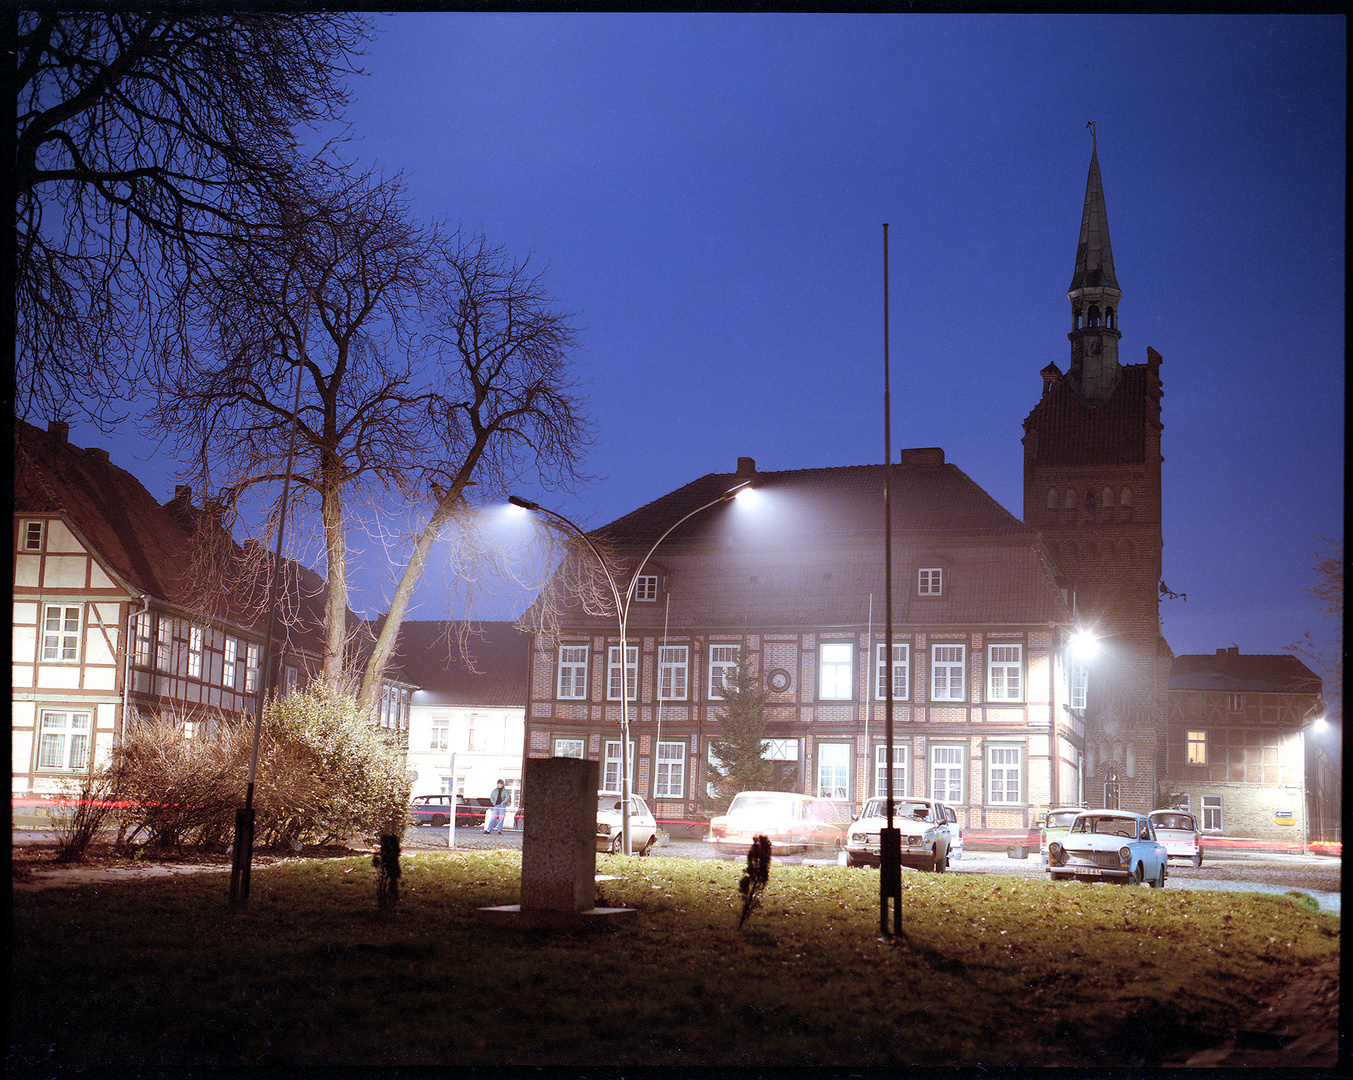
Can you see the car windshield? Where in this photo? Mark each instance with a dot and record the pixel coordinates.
(1111, 826)
(1062, 820)
(607, 802)
(1173, 821)
(760, 804)
(902, 808)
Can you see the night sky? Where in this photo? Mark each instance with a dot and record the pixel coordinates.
(708, 194)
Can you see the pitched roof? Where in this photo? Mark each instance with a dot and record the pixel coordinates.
(148, 546)
(807, 550)
(1232, 672)
(1073, 433)
(428, 655)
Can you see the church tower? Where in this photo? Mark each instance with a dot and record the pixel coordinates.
(1092, 487)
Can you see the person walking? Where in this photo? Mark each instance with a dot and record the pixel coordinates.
(497, 809)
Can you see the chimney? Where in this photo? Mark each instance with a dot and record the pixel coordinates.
(58, 430)
(746, 469)
(1224, 656)
(922, 455)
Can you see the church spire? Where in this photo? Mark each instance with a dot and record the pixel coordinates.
(1094, 296)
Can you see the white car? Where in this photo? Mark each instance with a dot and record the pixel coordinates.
(791, 821)
(643, 826)
(1178, 831)
(931, 835)
(1109, 845)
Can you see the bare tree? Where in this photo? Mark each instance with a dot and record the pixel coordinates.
(1328, 593)
(141, 136)
(414, 364)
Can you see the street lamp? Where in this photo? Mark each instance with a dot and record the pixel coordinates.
(622, 607)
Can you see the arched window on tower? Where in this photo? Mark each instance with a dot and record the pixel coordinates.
(1125, 497)
(1108, 496)
(1094, 316)
(1052, 498)
(1108, 318)
(1075, 318)
(1089, 499)
(1070, 499)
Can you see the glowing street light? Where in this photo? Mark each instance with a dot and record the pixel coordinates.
(622, 606)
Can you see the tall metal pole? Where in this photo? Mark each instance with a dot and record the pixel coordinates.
(890, 838)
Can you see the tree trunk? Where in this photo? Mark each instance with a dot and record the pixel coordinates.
(336, 607)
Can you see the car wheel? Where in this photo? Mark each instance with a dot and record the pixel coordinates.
(1057, 877)
(1198, 860)
(852, 861)
(438, 821)
(617, 842)
(941, 861)
(1138, 875)
(648, 847)
(1159, 883)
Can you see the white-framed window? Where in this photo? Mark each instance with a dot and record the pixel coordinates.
(901, 668)
(291, 678)
(1195, 748)
(441, 733)
(1004, 773)
(232, 648)
(1211, 813)
(1235, 703)
(946, 774)
(901, 754)
(947, 672)
(568, 748)
(646, 588)
(573, 672)
(670, 779)
(1005, 673)
(833, 770)
(251, 668)
(613, 672)
(63, 742)
(32, 536)
(780, 749)
(61, 632)
(195, 651)
(929, 581)
(164, 644)
(143, 639)
(673, 672)
(835, 671)
(723, 668)
(610, 768)
(1080, 685)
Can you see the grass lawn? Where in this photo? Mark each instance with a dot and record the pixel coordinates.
(993, 971)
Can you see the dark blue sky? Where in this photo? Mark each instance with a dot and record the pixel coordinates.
(708, 193)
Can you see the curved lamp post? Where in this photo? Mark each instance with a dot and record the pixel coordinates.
(622, 608)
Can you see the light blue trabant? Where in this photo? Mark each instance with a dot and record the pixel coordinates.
(1117, 845)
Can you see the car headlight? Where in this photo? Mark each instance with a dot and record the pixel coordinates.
(1125, 856)
(1056, 854)
(603, 828)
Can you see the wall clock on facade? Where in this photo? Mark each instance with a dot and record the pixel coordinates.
(778, 680)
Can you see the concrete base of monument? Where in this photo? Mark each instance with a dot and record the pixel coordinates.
(512, 915)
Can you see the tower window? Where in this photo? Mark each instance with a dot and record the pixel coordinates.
(1094, 316)
(1125, 497)
(1089, 499)
(1108, 496)
(1070, 499)
(1052, 498)
(1108, 318)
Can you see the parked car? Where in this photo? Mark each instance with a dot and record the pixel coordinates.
(791, 821)
(1178, 831)
(1117, 845)
(1055, 825)
(931, 835)
(643, 826)
(436, 810)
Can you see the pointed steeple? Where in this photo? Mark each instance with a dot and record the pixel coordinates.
(1094, 296)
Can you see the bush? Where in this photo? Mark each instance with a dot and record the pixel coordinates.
(325, 773)
(82, 817)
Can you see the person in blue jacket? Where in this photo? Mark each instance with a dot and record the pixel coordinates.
(497, 809)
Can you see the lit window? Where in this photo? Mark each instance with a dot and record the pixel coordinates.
(946, 774)
(646, 588)
(929, 582)
(610, 780)
(568, 748)
(1003, 775)
(32, 536)
(613, 672)
(61, 633)
(673, 669)
(833, 770)
(670, 782)
(723, 668)
(900, 754)
(573, 671)
(1005, 673)
(195, 651)
(946, 672)
(64, 740)
(901, 673)
(1080, 685)
(1195, 748)
(835, 671)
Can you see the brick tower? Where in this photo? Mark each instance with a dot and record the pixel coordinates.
(1092, 467)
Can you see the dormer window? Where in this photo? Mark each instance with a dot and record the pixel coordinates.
(646, 588)
(930, 582)
(32, 536)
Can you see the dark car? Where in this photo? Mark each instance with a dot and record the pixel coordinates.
(435, 810)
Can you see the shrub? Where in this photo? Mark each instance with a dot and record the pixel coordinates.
(82, 817)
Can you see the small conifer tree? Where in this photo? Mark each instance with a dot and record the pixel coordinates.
(737, 763)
